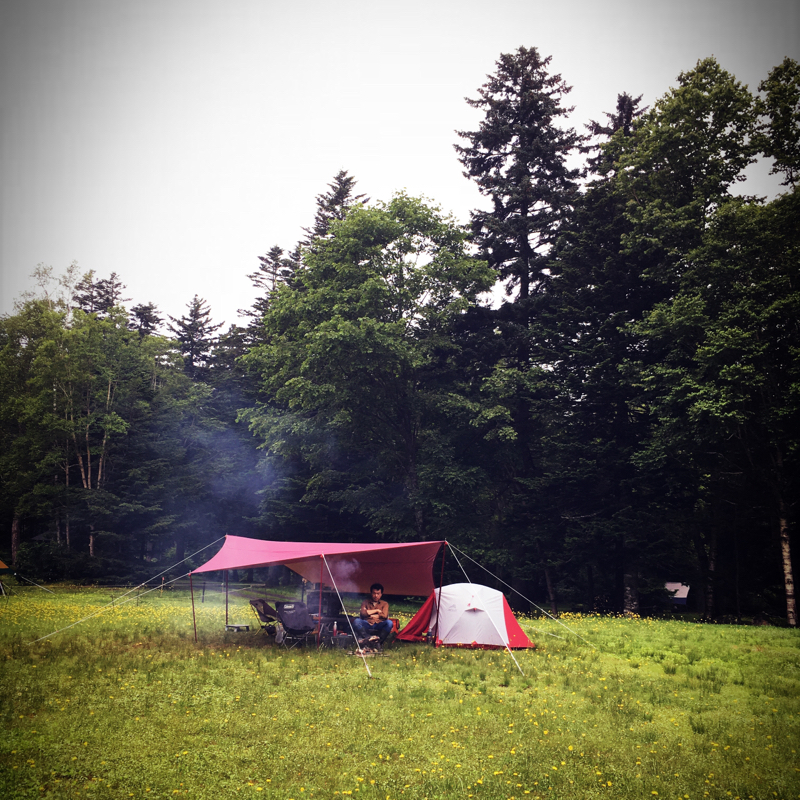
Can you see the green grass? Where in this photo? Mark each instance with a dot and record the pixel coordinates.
(127, 705)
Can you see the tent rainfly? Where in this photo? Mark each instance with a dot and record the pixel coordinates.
(469, 615)
(401, 568)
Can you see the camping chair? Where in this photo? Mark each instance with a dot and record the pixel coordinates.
(267, 616)
(298, 627)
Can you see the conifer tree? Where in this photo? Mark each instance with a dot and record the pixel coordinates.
(518, 158)
(99, 296)
(145, 319)
(333, 205)
(195, 335)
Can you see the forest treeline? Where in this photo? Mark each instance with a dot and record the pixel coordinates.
(628, 415)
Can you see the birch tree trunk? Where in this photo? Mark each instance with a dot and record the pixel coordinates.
(788, 573)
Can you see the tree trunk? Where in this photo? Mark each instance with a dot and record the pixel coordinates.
(711, 576)
(413, 492)
(788, 573)
(631, 592)
(707, 558)
(548, 579)
(91, 540)
(16, 526)
(551, 592)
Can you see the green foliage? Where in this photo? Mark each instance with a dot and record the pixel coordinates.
(782, 107)
(356, 357)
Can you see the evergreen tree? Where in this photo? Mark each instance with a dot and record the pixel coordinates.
(145, 319)
(99, 296)
(332, 205)
(195, 335)
(668, 180)
(518, 158)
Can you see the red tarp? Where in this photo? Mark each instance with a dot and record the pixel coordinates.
(401, 568)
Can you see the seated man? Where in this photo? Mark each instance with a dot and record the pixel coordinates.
(373, 618)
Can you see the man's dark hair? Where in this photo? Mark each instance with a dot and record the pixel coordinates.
(376, 586)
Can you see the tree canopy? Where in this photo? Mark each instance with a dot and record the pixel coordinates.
(626, 416)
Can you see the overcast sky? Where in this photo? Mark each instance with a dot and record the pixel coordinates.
(175, 141)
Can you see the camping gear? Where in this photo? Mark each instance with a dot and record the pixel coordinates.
(326, 608)
(466, 615)
(326, 604)
(405, 569)
(679, 592)
(298, 627)
(267, 615)
(4, 570)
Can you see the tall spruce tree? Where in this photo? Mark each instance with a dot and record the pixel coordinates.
(332, 205)
(518, 157)
(195, 334)
(145, 319)
(99, 296)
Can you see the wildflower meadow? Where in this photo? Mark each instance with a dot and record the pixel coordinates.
(127, 704)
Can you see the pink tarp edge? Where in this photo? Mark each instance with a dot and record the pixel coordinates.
(401, 568)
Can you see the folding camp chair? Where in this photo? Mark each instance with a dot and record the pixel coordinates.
(267, 616)
(298, 627)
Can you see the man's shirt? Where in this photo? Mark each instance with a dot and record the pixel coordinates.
(370, 605)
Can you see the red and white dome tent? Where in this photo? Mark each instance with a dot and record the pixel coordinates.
(466, 615)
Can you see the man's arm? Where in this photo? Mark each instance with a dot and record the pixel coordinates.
(368, 611)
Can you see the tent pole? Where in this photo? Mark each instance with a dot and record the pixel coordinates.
(358, 649)
(194, 618)
(439, 601)
(226, 597)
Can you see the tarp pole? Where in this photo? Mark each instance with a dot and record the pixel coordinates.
(319, 614)
(358, 649)
(194, 618)
(226, 597)
(439, 601)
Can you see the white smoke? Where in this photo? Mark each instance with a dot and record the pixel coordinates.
(343, 573)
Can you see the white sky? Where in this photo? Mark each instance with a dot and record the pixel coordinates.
(175, 141)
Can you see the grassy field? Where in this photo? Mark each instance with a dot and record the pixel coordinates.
(126, 704)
